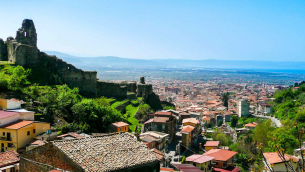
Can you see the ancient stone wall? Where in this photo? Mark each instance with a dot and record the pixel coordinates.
(143, 90)
(3, 51)
(26, 55)
(131, 86)
(73, 77)
(111, 89)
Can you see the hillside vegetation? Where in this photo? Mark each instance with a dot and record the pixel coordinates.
(60, 105)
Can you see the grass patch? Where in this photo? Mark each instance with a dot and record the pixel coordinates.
(5, 63)
(118, 103)
(134, 122)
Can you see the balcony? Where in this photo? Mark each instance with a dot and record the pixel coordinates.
(5, 139)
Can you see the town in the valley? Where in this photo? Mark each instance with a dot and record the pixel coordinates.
(55, 117)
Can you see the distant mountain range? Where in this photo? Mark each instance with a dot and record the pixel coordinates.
(93, 63)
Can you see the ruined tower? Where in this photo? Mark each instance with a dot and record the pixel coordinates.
(27, 33)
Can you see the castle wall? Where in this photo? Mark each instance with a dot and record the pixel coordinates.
(26, 55)
(144, 90)
(110, 89)
(3, 51)
(73, 77)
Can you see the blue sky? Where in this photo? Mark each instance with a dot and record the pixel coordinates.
(229, 30)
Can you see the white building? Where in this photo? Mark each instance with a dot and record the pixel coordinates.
(243, 108)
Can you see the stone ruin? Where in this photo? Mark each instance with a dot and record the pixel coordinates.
(23, 51)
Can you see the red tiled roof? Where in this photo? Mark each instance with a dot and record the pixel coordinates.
(187, 129)
(158, 154)
(8, 157)
(166, 169)
(163, 113)
(199, 158)
(220, 154)
(228, 169)
(120, 124)
(273, 157)
(39, 142)
(161, 119)
(75, 135)
(16, 125)
(5, 114)
(250, 125)
(191, 120)
(212, 143)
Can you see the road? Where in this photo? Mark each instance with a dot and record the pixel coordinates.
(276, 121)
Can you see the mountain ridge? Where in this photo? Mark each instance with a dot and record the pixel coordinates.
(120, 62)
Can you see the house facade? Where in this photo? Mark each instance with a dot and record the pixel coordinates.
(162, 121)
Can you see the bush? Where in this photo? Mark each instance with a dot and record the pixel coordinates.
(183, 160)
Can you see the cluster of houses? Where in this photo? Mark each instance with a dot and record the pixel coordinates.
(29, 145)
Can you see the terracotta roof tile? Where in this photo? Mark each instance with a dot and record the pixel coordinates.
(161, 119)
(8, 157)
(120, 124)
(107, 153)
(158, 153)
(75, 135)
(273, 157)
(191, 120)
(220, 154)
(187, 129)
(16, 125)
(163, 113)
(212, 143)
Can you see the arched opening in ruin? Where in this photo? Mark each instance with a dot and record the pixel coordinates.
(25, 34)
(140, 94)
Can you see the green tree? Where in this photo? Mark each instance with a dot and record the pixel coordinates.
(234, 120)
(103, 101)
(301, 116)
(225, 99)
(223, 139)
(263, 132)
(283, 139)
(219, 123)
(96, 116)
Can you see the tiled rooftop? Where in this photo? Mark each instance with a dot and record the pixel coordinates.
(16, 125)
(220, 154)
(8, 157)
(5, 114)
(212, 143)
(187, 129)
(119, 124)
(107, 153)
(274, 158)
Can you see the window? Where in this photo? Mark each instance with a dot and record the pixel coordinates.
(34, 131)
(3, 133)
(163, 127)
(10, 145)
(29, 133)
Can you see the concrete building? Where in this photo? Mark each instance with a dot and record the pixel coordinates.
(243, 108)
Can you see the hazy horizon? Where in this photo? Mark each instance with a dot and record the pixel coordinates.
(197, 30)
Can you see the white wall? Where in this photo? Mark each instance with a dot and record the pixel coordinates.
(27, 116)
(9, 119)
(13, 104)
